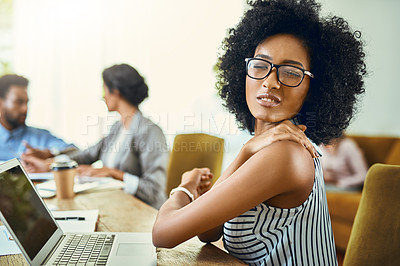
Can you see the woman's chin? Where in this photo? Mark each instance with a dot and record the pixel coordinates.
(272, 120)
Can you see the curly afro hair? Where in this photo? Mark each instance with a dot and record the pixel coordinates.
(337, 61)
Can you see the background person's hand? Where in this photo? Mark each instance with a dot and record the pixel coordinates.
(38, 153)
(197, 181)
(89, 170)
(34, 164)
(285, 130)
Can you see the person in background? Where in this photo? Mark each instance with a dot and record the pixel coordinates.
(343, 164)
(282, 61)
(15, 136)
(134, 151)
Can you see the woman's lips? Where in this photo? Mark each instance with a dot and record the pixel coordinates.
(268, 100)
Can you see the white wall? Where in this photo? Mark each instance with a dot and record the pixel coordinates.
(62, 46)
(379, 22)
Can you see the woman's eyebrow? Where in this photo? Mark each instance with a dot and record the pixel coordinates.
(263, 56)
(287, 61)
(293, 62)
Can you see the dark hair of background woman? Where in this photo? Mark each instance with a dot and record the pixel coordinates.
(337, 61)
(128, 81)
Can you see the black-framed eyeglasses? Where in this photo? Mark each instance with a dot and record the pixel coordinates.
(288, 75)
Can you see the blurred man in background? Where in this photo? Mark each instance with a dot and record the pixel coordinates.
(15, 136)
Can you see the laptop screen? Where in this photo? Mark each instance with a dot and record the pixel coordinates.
(24, 212)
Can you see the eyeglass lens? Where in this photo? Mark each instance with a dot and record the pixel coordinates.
(287, 75)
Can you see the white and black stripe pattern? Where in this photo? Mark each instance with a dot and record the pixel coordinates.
(267, 235)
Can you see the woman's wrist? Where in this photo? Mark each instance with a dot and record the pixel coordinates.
(189, 187)
(117, 174)
(47, 164)
(184, 190)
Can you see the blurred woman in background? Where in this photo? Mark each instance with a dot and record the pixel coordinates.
(135, 149)
(344, 164)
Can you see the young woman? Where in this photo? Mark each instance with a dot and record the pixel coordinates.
(283, 61)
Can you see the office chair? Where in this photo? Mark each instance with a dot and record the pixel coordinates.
(194, 151)
(375, 235)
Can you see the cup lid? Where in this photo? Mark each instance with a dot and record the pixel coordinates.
(63, 165)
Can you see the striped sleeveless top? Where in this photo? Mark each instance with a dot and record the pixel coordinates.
(268, 235)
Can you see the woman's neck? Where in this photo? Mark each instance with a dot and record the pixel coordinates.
(127, 112)
(262, 126)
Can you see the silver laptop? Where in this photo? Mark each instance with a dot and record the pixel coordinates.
(41, 239)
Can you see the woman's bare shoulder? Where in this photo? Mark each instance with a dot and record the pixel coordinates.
(282, 168)
(287, 162)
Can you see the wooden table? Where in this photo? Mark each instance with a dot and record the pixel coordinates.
(120, 212)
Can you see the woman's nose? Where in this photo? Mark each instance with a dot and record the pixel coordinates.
(271, 81)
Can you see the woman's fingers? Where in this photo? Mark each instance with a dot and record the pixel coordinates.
(204, 187)
(205, 171)
(196, 180)
(296, 134)
(207, 176)
(84, 170)
(302, 127)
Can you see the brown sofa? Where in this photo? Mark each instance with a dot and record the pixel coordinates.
(343, 205)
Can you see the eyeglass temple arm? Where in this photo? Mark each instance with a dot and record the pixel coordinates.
(308, 73)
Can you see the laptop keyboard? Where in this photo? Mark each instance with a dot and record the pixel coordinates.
(85, 250)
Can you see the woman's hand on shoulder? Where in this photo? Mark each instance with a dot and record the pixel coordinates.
(285, 130)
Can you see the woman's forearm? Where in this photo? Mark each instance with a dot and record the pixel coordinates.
(160, 228)
(240, 159)
(216, 233)
(117, 174)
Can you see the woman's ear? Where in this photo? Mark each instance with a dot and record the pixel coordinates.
(115, 92)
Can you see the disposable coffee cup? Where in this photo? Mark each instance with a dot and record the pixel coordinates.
(64, 176)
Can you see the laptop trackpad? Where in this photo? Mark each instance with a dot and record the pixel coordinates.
(131, 249)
